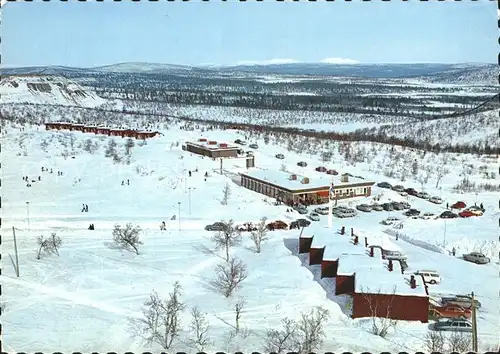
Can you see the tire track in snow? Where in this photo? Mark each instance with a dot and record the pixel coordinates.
(72, 297)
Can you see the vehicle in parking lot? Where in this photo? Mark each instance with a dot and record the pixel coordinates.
(435, 200)
(247, 226)
(394, 255)
(301, 209)
(449, 312)
(384, 185)
(314, 216)
(405, 205)
(397, 206)
(344, 212)
(249, 153)
(321, 210)
(277, 225)
(429, 276)
(464, 301)
(403, 194)
(476, 210)
(448, 215)
(332, 172)
(423, 195)
(376, 207)
(412, 212)
(321, 169)
(364, 207)
(280, 156)
(426, 216)
(388, 206)
(458, 205)
(411, 191)
(390, 220)
(302, 164)
(253, 146)
(398, 188)
(240, 142)
(455, 325)
(297, 224)
(216, 226)
(466, 214)
(476, 257)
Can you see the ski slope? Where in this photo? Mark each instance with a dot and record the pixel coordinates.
(85, 297)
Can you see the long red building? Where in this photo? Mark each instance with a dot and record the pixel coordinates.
(124, 133)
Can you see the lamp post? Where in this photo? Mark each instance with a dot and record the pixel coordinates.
(444, 234)
(28, 214)
(189, 198)
(179, 214)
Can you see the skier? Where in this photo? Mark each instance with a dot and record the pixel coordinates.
(481, 206)
(189, 173)
(453, 251)
(123, 183)
(83, 208)
(128, 182)
(39, 178)
(42, 169)
(86, 208)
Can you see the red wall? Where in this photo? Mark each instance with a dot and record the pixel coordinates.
(400, 307)
(344, 284)
(329, 269)
(305, 244)
(316, 255)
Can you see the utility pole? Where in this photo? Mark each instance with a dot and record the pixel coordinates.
(189, 196)
(444, 234)
(331, 193)
(474, 324)
(15, 250)
(28, 214)
(179, 214)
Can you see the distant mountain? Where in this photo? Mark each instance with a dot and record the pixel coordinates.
(46, 89)
(145, 68)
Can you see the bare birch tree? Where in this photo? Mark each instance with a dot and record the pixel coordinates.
(228, 237)
(229, 276)
(226, 193)
(238, 307)
(260, 234)
(127, 237)
(48, 245)
(199, 327)
(381, 317)
(161, 323)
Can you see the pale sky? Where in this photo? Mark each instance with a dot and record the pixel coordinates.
(87, 34)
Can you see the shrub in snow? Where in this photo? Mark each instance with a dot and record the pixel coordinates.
(227, 238)
(110, 149)
(199, 328)
(161, 322)
(301, 336)
(127, 237)
(260, 234)
(229, 276)
(226, 193)
(48, 246)
(381, 323)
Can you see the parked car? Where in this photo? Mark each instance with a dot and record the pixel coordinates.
(450, 312)
(321, 210)
(299, 223)
(314, 216)
(454, 325)
(390, 220)
(435, 200)
(466, 214)
(394, 255)
(397, 206)
(405, 205)
(448, 215)
(248, 226)
(216, 226)
(429, 276)
(388, 206)
(476, 210)
(253, 146)
(277, 225)
(301, 209)
(464, 301)
(321, 169)
(302, 164)
(376, 207)
(423, 195)
(427, 216)
(344, 213)
(332, 172)
(411, 191)
(364, 207)
(398, 188)
(384, 185)
(403, 194)
(412, 212)
(360, 177)
(280, 156)
(476, 257)
(249, 153)
(458, 205)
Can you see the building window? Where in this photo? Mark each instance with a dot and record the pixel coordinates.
(364, 191)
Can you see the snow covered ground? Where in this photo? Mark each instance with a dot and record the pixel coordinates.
(85, 297)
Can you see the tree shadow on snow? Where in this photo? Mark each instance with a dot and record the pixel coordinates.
(328, 284)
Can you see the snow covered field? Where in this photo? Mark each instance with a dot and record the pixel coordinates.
(85, 297)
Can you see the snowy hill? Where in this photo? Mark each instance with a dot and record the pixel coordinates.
(51, 90)
(144, 68)
(469, 75)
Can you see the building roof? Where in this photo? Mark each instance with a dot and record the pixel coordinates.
(316, 180)
(371, 273)
(205, 145)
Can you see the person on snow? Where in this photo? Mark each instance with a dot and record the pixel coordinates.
(163, 226)
(50, 170)
(123, 183)
(42, 169)
(206, 174)
(39, 178)
(453, 251)
(86, 208)
(481, 206)
(128, 182)
(83, 208)
(189, 173)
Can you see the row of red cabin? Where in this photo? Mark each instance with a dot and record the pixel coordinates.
(129, 133)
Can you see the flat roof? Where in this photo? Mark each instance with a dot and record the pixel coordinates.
(316, 180)
(205, 145)
(372, 275)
